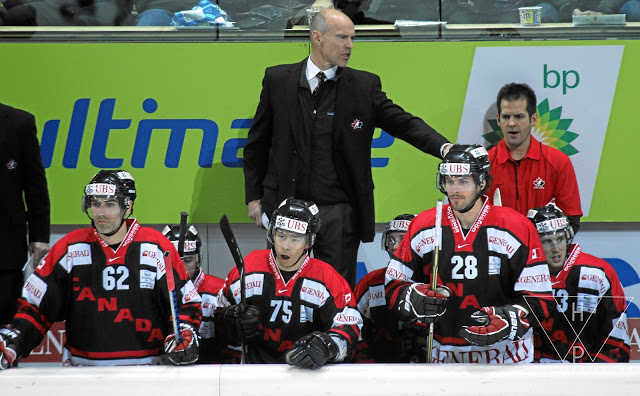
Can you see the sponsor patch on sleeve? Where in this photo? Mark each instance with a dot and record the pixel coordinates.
(34, 290)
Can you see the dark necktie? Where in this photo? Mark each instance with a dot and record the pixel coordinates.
(321, 79)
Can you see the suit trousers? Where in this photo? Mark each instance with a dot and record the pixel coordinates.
(10, 290)
(338, 240)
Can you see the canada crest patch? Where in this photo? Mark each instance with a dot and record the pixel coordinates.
(357, 125)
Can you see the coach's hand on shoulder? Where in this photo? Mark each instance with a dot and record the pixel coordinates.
(420, 303)
(9, 352)
(187, 351)
(495, 324)
(312, 351)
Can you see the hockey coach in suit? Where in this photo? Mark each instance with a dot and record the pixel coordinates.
(311, 139)
(23, 181)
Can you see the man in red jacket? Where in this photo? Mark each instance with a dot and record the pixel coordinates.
(528, 173)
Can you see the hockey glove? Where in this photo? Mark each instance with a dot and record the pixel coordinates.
(421, 303)
(496, 324)
(8, 348)
(312, 351)
(241, 324)
(187, 351)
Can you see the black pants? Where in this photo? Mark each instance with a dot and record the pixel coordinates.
(337, 241)
(10, 290)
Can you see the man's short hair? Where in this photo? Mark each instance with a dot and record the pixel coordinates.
(319, 23)
(514, 91)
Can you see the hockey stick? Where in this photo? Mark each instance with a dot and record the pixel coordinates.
(434, 280)
(171, 285)
(232, 243)
(497, 198)
(182, 233)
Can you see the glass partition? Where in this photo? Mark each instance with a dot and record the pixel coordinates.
(276, 20)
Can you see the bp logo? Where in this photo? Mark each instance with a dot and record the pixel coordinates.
(551, 129)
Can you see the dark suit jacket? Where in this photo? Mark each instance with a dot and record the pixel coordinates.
(271, 158)
(23, 180)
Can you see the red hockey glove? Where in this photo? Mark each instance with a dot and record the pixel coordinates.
(496, 324)
(241, 324)
(8, 348)
(187, 351)
(421, 303)
(312, 351)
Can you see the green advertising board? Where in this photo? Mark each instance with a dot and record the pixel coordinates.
(129, 105)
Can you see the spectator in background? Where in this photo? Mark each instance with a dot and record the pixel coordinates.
(388, 11)
(564, 10)
(529, 173)
(207, 285)
(81, 12)
(482, 11)
(25, 204)
(590, 323)
(160, 12)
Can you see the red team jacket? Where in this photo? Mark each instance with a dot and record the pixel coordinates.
(316, 298)
(543, 174)
(500, 261)
(590, 324)
(115, 303)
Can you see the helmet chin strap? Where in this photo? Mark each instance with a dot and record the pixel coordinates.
(468, 208)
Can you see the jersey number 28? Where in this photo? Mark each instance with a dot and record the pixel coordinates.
(464, 268)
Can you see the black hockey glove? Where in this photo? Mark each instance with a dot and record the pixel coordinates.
(312, 350)
(187, 351)
(420, 303)
(241, 324)
(9, 352)
(496, 324)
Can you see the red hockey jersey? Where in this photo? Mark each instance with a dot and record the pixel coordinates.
(115, 302)
(316, 298)
(499, 261)
(590, 324)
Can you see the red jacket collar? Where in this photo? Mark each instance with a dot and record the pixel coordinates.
(504, 155)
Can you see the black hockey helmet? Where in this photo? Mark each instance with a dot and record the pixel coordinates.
(295, 215)
(465, 160)
(400, 223)
(117, 184)
(549, 220)
(192, 241)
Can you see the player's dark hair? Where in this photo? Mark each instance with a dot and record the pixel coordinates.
(514, 91)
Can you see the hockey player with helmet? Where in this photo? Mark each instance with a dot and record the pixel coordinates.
(590, 324)
(208, 287)
(299, 309)
(493, 282)
(382, 338)
(109, 284)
